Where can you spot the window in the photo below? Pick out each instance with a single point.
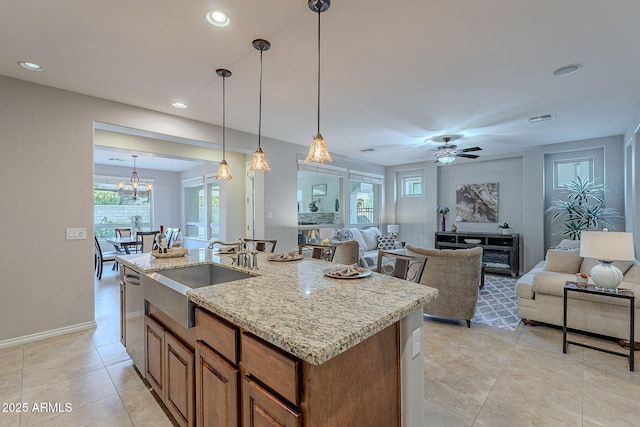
(202, 209)
(412, 186)
(565, 171)
(110, 211)
(364, 198)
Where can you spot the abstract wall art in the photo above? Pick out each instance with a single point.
(477, 202)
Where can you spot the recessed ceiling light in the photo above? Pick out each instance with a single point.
(218, 19)
(179, 105)
(569, 69)
(31, 66)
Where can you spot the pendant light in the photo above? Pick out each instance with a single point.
(318, 149)
(259, 161)
(223, 169)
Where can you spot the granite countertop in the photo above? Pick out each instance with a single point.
(293, 306)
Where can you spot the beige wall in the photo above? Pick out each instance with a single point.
(46, 184)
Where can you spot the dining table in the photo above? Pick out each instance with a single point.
(125, 243)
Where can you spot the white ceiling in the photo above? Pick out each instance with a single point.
(394, 73)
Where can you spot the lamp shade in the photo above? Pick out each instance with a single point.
(607, 245)
(393, 228)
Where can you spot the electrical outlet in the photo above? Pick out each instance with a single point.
(416, 337)
(76, 233)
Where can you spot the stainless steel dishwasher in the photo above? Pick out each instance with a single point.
(134, 317)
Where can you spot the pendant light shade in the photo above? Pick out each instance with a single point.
(223, 169)
(259, 161)
(318, 150)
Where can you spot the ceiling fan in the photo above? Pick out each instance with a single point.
(447, 153)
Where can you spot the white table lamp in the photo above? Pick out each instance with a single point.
(393, 229)
(606, 247)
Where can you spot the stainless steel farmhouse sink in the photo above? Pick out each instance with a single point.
(167, 289)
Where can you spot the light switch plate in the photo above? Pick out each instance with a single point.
(415, 342)
(76, 233)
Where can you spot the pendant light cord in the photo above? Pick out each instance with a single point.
(223, 116)
(260, 103)
(319, 68)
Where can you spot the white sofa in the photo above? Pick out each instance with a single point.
(369, 240)
(540, 294)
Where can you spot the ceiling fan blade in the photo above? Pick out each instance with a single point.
(468, 156)
(464, 150)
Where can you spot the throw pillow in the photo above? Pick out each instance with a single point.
(370, 239)
(386, 243)
(343, 234)
(563, 261)
(357, 236)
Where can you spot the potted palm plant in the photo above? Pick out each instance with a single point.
(584, 208)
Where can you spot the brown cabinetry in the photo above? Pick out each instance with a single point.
(359, 387)
(501, 252)
(217, 393)
(261, 408)
(169, 368)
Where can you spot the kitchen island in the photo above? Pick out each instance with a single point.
(342, 343)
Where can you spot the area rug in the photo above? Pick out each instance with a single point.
(498, 303)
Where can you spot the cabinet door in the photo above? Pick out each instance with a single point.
(261, 409)
(216, 389)
(178, 387)
(123, 316)
(154, 354)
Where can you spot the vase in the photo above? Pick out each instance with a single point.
(337, 205)
(313, 208)
(453, 228)
(444, 223)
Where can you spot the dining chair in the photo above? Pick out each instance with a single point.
(347, 252)
(262, 245)
(147, 240)
(101, 257)
(122, 233)
(324, 252)
(172, 236)
(400, 265)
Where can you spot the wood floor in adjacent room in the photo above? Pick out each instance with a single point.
(481, 376)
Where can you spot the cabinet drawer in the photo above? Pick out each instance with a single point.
(261, 408)
(218, 334)
(276, 369)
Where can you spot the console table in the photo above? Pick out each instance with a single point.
(501, 252)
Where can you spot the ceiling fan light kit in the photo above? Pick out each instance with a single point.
(447, 153)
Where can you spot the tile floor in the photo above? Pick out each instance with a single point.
(481, 377)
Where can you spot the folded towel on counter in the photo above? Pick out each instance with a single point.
(348, 270)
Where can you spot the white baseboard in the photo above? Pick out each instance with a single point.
(47, 334)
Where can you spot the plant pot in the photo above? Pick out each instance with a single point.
(507, 231)
(313, 208)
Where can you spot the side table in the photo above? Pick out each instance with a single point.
(615, 293)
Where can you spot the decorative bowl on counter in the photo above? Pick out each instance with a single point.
(171, 253)
(472, 241)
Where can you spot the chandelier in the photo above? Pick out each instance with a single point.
(134, 193)
(318, 149)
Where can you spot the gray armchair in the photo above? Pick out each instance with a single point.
(456, 275)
